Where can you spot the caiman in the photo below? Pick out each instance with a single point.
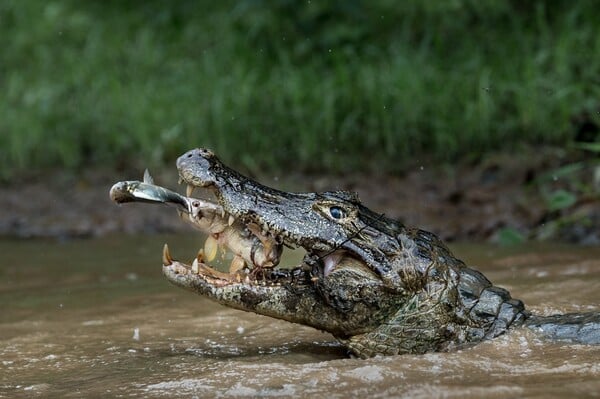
(379, 287)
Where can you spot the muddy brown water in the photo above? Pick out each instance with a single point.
(95, 318)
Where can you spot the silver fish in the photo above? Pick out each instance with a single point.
(146, 191)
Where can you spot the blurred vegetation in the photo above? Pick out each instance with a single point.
(282, 84)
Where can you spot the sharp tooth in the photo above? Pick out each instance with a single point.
(247, 279)
(237, 264)
(166, 256)
(210, 248)
(231, 220)
(195, 265)
(189, 191)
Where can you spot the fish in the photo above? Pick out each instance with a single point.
(147, 191)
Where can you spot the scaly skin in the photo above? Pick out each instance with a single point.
(379, 287)
(388, 289)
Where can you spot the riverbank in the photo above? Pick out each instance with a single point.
(546, 194)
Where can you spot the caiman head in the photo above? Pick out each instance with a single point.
(377, 286)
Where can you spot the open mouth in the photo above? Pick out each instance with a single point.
(238, 249)
(234, 252)
(249, 254)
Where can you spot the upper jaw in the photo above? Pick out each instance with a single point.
(239, 197)
(259, 247)
(262, 210)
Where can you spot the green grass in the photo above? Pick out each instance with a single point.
(274, 85)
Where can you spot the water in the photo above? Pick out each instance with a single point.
(95, 318)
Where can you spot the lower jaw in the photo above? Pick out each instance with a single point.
(257, 276)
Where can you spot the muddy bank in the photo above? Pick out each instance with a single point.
(496, 199)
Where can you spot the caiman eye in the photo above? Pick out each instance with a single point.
(336, 212)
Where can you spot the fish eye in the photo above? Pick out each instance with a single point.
(336, 212)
